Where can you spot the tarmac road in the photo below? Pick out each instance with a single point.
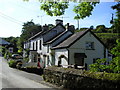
(13, 79)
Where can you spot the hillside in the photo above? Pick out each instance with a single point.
(109, 39)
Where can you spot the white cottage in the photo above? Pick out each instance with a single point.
(60, 46)
(81, 49)
(40, 44)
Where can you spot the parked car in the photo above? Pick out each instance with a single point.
(16, 56)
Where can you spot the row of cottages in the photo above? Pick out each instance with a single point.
(60, 46)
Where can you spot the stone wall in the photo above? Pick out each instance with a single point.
(74, 79)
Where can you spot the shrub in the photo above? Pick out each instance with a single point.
(12, 63)
(7, 55)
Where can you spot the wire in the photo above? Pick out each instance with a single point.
(10, 18)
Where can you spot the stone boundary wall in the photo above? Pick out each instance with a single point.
(73, 79)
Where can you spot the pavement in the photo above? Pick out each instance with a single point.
(19, 80)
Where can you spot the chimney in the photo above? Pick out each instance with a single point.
(67, 27)
(70, 28)
(59, 21)
(45, 27)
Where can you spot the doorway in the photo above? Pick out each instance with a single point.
(79, 58)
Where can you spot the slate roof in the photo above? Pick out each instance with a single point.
(71, 40)
(36, 35)
(57, 37)
(44, 32)
(3, 42)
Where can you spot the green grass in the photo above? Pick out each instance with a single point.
(107, 35)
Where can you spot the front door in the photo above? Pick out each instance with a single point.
(79, 61)
(79, 58)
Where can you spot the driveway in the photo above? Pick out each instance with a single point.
(17, 80)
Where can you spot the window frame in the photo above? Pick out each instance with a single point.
(89, 45)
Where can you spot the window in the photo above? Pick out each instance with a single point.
(29, 44)
(36, 45)
(40, 46)
(90, 45)
(33, 46)
(47, 48)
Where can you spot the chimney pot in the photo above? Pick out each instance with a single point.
(59, 21)
(67, 27)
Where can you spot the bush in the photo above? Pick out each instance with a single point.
(114, 64)
(12, 63)
(7, 55)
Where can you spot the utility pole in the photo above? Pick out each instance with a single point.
(78, 23)
(41, 18)
(111, 22)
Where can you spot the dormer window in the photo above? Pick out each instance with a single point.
(89, 45)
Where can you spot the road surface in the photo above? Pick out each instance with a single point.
(13, 79)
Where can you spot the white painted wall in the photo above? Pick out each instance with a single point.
(58, 53)
(80, 47)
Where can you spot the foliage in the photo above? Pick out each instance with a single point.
(98, 66)
(116, 25)
(12, 63)
(13, 41)
(114, 64)
(116, 21)
(109, 39)
(100, 29)
(116, 61)
(84, 9)
(54, 8)
(7, 54)
(2, 50)
(57, 8)
(29, 29)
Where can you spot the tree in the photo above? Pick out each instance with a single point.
(116, 60)
(84, 9)
(13, 41)
(100, 29)
(29, 29)
(57, 8)
(54, 8)
(116, 21)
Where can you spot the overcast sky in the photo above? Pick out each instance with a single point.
(13, 13)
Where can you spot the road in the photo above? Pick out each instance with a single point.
(19, 80)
